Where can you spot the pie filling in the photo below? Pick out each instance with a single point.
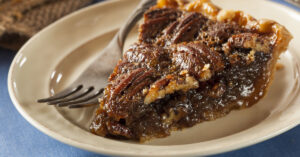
(193, 62)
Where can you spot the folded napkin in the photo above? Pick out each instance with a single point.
(21, 19)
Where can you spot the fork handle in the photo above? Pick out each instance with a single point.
(133, 18)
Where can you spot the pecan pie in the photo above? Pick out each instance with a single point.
(193, 62)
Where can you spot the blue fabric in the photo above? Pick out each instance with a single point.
(19, 139)
(287, 4)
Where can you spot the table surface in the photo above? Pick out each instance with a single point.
(18, 138)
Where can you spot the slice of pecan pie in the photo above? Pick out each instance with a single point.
(193, 62)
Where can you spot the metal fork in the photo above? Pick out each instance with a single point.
(88, 87)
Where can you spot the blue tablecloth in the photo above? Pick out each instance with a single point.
(19, 139)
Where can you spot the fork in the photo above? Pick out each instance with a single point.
(87, 88)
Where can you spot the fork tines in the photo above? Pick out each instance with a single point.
(77, 97)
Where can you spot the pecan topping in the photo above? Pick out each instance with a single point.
(198, 60)
(253, 41)
(124, 83)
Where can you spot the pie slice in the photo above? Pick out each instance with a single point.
(193, 62)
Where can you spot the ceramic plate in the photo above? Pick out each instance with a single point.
(58, 54)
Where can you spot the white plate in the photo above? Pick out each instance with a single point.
(56, 55)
